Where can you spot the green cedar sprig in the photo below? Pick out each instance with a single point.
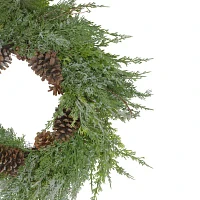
(9, 138)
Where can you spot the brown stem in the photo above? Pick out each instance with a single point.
(121, 100)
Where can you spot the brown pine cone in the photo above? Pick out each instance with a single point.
(63, 126)
(11, 159)
(43, 139)
(48, 67)
(5, 57)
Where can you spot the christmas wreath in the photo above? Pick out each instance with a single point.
(67, 50)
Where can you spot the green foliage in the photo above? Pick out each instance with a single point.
(32, 5)
(95, 88)
(9, 138)
(58, 172)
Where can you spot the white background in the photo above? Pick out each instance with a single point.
(167, 137)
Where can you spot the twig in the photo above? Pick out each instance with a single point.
(121, 100)
(78, 9)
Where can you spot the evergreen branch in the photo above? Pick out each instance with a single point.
(76, 9)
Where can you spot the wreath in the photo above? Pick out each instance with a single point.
(67, 50)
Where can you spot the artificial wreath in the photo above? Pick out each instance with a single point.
(67, 50)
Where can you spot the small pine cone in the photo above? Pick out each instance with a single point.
(43, 139)
(63, 126)
(48, 67)
(5, 56)
(11, 159)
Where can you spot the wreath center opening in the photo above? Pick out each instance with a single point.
(25, 103)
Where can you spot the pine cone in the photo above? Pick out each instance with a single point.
(63, 126)
(11, 159)
(48, 67)
(43, 139)
(5, 57)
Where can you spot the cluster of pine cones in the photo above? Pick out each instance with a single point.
(48, 67)
(63, 130)
(12, 158)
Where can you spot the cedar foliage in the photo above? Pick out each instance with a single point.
(94, 88)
